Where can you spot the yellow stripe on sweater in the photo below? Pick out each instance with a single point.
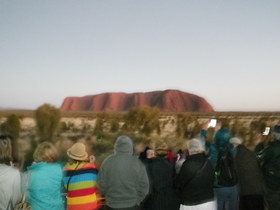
(82, 200)
(81, 185)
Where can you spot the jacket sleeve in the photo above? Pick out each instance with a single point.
(101, 180)
(184, 176)
(143, 187)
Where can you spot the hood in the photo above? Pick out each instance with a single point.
(124, 144)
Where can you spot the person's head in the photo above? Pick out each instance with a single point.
(124, 144)
(77, 152)
(161, 148)
(5, 150)
(222, 137)
(196, 146)
(276, 132)
(45, 152)
(235, 141)
(150, 153)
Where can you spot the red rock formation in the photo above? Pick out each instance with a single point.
(168, 100)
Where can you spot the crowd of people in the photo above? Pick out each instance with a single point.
(222, 175)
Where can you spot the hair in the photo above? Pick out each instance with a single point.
(196, 146)
(5, 150)
(46, 152)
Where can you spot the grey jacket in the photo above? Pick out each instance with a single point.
(9, 186)
(122, 177)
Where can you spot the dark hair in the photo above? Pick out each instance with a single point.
(5, 149)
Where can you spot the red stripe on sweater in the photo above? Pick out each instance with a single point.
(86, 166)
(82, 192)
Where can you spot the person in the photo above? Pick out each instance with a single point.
(10, 183)
(223, 153)
(143, 155)
(150, 154)
(251, 185)
(194, 183)
(223, 135)
(15, 154)
(181, 157)
(80, 174)
(123, 178)
(161, 175)
(262, 143)
(170, 156)
(43, 179)
(271, 170)
(226, 188)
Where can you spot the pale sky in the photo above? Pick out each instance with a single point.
(225, 51)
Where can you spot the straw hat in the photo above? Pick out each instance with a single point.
(78, 152)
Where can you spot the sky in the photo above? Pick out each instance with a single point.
(227, 52)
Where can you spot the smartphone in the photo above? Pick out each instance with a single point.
(266, 131)
(212, 123)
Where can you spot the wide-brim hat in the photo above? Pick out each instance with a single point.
(78, 152)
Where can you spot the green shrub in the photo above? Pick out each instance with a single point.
(47, 121)
(143, 119)
(102, 149)
(11, 126)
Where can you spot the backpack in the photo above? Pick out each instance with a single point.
(225, 173)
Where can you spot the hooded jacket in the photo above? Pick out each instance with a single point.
(9, 186)
(122, 177)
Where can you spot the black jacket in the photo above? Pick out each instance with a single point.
(271, 165)
(195, 188)
(248, 172)
(162, 195)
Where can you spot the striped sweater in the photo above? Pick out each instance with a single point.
(80, 184)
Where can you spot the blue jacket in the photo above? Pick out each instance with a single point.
(44, 187)
(222, 137)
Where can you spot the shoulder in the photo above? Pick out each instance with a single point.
(9, 170)
(45, 170)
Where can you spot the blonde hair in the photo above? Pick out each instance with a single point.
(46, 152)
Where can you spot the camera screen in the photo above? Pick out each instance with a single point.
(212, 123)
(266, 131)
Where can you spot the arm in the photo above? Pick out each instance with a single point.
(143, 183)
(101, 180)
(184, 176)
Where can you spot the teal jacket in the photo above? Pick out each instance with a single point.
(44, 186)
